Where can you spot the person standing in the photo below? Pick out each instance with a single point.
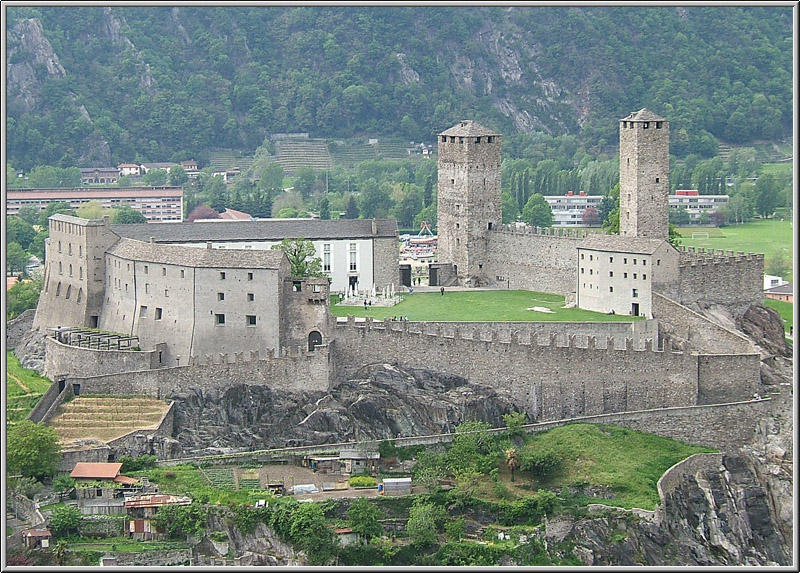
(442, 291)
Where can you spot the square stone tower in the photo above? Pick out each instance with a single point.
(644, 176)
(468, 197)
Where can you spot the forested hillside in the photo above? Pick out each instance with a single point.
(104, 85)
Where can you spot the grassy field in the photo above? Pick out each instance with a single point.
(765, 236)
(24, 388)
(189, 480)
(627, 462)
(480, 306)
(786, 310)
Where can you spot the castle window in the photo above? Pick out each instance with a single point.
(166, 292)
(222, 275)
(461, 140)
(644, 277)
(147, 287)
(326, 257)
(444, 139)
(60, 268)
(159, 313)
(126, 287)
(658, 124)
(490, 139)
(251, 320)
(80, 250)
(452, 139)
(591, 271)
(625, 261)
(316, 288)
(353, 260)
(220, 296)
(610, 259)
(635, 293)
(646, 125)
(634, 261)
(146, 269)
(297, 286)
(249, 276)
(610, 289)
(490, 225)
(219, 319)
(477, 140)
(69, 291)
(69, 248)
(80, 294)
(644, 262)
(610, 273)
(624, 275)
(80, 272)
(183, 273)
(581, 270)
(59, 246)
(458, 225)
(58, 290)
(143, 311)
(581, 256)
(452, 182)
(458, 242)
(251, 297)
(590, 257)
(163, 271)
(634, 275)
(657, 179)
(658, 262)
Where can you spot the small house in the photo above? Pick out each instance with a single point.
(36, 538)
(355, 462)
(346, 536)
(395, 486)
(784, 292)
(141, 510)
(100, 489)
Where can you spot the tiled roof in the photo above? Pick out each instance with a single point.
(196, 256)
(618, 244)
(643, 114)
(261, 230)
(786, 288)
(126, 480)
(36, 533)
(468, 128)
(156, 500)
(11, 281)
(96, 470)
(232, 214)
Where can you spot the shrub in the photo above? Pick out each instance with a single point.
(363, 481)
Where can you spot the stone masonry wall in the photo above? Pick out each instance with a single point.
(65, 360)
(18, 327)
(676, 320)
(300, 371)
(735, 281)
(719, 384)
(532, 261)
(386, 271)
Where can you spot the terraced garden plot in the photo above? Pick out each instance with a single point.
(24, 388)
(249, 483)
(220, 478)
(106, 418)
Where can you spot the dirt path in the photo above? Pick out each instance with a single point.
(18, 381)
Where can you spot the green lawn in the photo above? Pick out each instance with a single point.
(480, 306)
(786, 310)
(188, 480)
(628, 462)
(24, 388)
(765, 236)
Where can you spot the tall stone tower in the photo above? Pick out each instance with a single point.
(468, 197)
(644, 176)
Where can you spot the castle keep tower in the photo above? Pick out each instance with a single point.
(644, 176)
(469, 197)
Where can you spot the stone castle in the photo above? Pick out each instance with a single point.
(213, 318)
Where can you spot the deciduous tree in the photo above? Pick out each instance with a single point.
(301, 254)
(32, 449)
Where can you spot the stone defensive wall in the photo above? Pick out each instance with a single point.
(722, 277)
(66, 360)
(533, 258)
(673, 477)
(295, 371)
(18, 327)
(638, 330)
(675, 320)
(546, 380)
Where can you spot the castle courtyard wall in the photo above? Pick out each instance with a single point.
(732, 280)
(65, 360)
(532, 259)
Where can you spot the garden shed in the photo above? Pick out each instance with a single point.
(396, 486)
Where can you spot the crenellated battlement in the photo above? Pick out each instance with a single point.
(542, 231)
(699, 256)
(295, 352)
(511, 337)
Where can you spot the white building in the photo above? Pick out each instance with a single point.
(696, 204)
(568, 209)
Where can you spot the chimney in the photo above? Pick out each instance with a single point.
(208, 244)
(106, 220)
(374, 227)
(152, 239)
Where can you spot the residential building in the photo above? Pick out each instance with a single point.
(568, 209)
(100, 488)
(166, 166)
(155, 203)
(773, 281)
(142, 509)
(99, 175)
(130, 169)
(784, 292)
(696, 204)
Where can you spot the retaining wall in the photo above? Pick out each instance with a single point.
(66, 360)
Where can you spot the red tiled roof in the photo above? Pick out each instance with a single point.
(96, 470)
(36, 533)
(235, 215)
(343, 530)
(126, 480)
(11, 281)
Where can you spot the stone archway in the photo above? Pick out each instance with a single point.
(314, 340)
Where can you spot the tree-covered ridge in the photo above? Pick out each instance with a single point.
(170, 83)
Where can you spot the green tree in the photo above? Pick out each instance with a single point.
(22, 296)
(52, 209)
(767, 193)
(155, 177)
(422, 524)
(16, 258)
(63, 484)
(65, 520)
(126, 215)
(351, 211)
(510, 211)
(324, 209)
(93, 210)
(177, 176)
(32, 449)
(310, 533)
(537, 212)
(514, 422)
(29, 214)
(46, 176)
(777, 264)
(375, 200)
(304, 181)
(301, 254)
(19, 231)
(364, 518)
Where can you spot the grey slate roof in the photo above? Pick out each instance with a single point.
(76, 220)
(469, 128)
(197, 256)
(618, 244)
(643, 114)
(261, 230)
(781, 289)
